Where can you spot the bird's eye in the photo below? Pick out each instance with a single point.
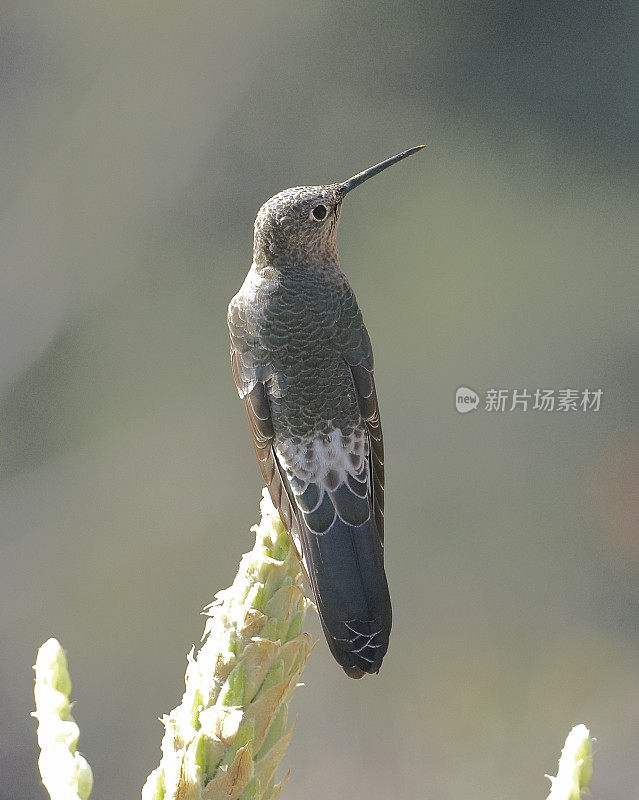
(319, 212)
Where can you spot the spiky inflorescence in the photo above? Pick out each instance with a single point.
(228, 735)
(575, 766)
(65, 773)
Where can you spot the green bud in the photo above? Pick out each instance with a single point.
(252, 791)
(233, 693)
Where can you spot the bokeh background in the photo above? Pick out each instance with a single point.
(137, 142)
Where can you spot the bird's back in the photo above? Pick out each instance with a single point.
(303, 362)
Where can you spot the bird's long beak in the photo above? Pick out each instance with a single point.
(356, 180)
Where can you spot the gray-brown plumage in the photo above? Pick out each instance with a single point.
(302, 361)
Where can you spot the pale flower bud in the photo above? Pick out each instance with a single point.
(65, 773)
(575, 766)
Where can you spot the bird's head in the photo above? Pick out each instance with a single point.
(299, 225)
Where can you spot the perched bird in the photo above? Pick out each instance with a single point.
(303, 364)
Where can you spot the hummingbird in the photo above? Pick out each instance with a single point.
(303, 364)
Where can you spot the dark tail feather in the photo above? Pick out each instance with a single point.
(346, 570)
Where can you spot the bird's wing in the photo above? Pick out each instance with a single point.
(338, 540)
(251, 367)
(342, 514)
(356, 347)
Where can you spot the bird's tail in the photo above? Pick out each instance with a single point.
(345, 566)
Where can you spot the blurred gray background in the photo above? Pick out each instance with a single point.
(137, 142)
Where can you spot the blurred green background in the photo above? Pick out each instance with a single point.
(137, 142)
